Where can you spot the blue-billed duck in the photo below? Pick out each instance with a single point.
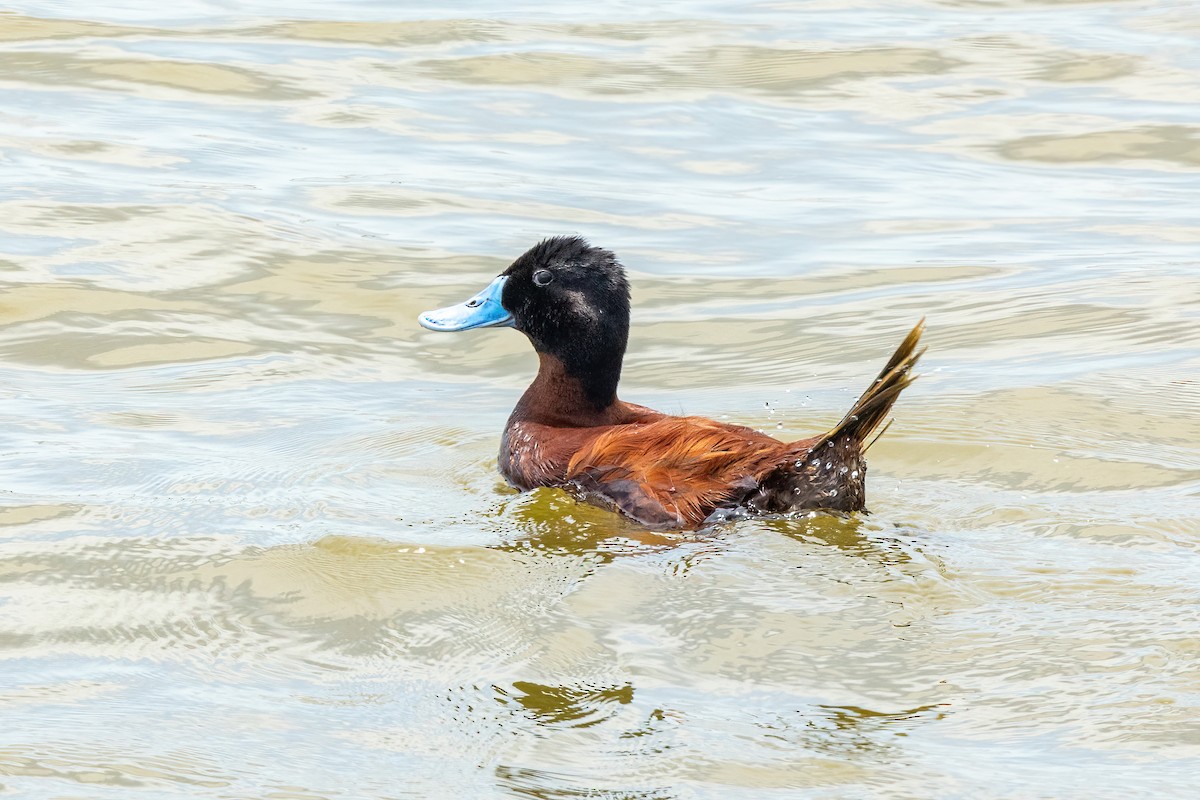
(570, 430)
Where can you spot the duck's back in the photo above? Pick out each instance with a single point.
(660, 470)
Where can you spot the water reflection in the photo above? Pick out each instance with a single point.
(575, 707)
(240, 484)
(850, 730)
(553, 521)
(1179, 144)
(550, 785)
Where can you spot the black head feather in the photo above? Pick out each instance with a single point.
(572, 301)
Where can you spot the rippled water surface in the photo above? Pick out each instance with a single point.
(252, 540)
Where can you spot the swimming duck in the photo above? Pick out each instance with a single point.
(570, 430)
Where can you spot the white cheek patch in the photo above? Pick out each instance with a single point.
(581, 306)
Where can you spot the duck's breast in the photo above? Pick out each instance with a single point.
(534, 454)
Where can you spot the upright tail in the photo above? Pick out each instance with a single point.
(829, 471)
(870, 410)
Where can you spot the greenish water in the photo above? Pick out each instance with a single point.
(252, 540)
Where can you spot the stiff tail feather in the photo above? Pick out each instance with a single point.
(830, 472)
(870, 410)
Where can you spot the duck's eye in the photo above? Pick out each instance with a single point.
(542, 277)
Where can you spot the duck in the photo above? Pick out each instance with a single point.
(665, 472)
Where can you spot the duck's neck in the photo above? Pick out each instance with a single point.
(562, 396)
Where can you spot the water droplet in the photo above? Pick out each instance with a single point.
(854, 474)
(843, 470)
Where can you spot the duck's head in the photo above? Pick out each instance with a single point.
(569, 298)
